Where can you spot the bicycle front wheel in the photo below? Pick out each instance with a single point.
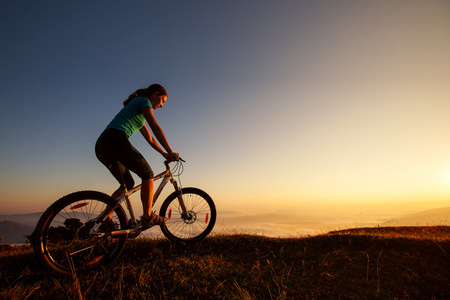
(62, 238)
(199, 221)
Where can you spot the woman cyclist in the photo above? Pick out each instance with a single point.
(115, 151)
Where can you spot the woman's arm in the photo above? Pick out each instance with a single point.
(157, 131)
(148, 137)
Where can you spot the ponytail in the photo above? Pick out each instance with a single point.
(147, 92)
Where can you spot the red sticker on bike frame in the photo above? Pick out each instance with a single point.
(95, 260)
(79, 205)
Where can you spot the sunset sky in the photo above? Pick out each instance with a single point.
(274, 105)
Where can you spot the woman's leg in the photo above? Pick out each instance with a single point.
(147, 196)
(118, 193)
(115, 151)
(149, 218)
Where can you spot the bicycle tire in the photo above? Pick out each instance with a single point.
(61, 239)
(201, 220)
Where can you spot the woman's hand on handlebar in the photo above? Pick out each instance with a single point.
(171, 156)
(174, 156)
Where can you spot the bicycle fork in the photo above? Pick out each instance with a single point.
(170, 178)
(180, 199)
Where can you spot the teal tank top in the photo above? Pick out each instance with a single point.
(130, 118)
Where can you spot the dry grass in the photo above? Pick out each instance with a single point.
(364, 263)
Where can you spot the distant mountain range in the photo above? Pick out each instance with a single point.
(27, 219)
(13, 232)
(14, 227)
(295, 223)
(432, 217)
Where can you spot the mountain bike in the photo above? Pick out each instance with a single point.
(88, 229)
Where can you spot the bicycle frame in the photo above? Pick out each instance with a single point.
(166, 176)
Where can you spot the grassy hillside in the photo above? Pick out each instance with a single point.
(367, 263)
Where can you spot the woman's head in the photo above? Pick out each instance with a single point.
(156, 88)
(154, 91)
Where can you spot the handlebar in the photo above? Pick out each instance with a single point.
(167, 162)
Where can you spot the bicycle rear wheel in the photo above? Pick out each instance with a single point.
(197, 224)
(62, 239)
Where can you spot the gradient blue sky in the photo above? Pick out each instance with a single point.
(275, 105)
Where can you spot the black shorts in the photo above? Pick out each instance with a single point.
(115, 151)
